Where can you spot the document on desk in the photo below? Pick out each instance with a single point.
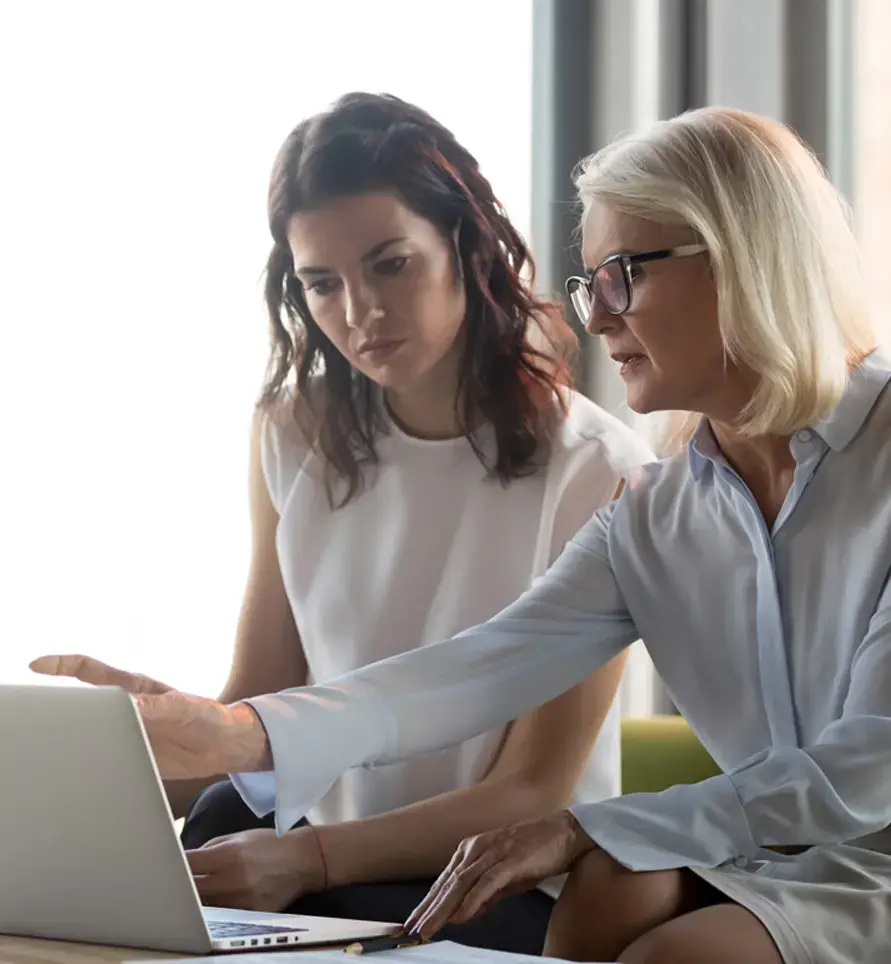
(439, 952)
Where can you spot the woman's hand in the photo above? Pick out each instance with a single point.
(498, 864)
(96, 673)
(191, 737)
(257, 869)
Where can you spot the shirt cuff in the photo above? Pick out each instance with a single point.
(257, 790)
(315, 734)
(689, 825)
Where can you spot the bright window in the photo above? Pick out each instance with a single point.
(138, 140)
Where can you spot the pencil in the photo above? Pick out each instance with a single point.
(390, 943)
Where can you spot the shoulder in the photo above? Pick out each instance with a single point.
(592, 453)
(278, 424)
(649, 500)
(589, 435)
(284, 430)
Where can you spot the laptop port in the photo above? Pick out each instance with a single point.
(254, 942)
(282, 940)
(267, 940)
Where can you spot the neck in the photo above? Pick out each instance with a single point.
(765, 464)
(428, 410)
(766, 456)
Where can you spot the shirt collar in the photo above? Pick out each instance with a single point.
(864, 387)
(837, 430)
(702, 448)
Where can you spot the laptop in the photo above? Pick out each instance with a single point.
(88, 847)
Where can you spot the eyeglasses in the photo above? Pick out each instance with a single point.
(610, 284)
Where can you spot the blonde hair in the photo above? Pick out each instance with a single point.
(791, 304)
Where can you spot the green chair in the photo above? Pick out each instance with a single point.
(660, 751)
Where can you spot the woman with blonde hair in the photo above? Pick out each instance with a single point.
(723, 279)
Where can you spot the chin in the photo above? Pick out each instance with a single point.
(391, 377)
(646, 399)
(642, 403)
(383, 378)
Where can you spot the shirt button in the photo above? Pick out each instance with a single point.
(741, 862)
(805, 435)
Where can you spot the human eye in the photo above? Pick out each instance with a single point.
(322, 287)
(636, 270)
(391, 266)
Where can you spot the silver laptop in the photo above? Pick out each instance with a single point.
(88, 848)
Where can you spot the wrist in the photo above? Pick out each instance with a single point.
(578, 842)
(247, 747)
(342, 861)
(317, 878)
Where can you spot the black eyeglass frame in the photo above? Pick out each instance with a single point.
(625, 261)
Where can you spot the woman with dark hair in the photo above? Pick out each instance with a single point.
(419, 459)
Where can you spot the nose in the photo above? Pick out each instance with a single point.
(601, 322)
(361, 305)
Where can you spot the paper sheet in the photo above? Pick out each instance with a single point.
(439, 952)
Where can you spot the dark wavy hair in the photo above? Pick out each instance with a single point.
(378, 143)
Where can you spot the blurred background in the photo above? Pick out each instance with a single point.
(136, 145)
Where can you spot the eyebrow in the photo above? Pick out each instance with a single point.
(369, 255)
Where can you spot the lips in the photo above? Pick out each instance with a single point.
(628, 361)
(380, 346)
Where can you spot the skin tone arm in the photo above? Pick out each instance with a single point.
(268, 652)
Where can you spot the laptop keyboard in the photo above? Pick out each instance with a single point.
(222, 929)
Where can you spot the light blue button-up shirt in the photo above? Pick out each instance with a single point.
(774, 644)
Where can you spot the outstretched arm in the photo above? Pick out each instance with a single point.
(570, 623)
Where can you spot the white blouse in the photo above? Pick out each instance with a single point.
(430, 547)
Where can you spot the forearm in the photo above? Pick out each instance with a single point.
(418, 841)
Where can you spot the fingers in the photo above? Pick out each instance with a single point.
(96, 673)
(218, 872)
(212, 858)
(212, 888)
(438, 886)
(465, 884)
(76, 666)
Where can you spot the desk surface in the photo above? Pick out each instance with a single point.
(24, 950)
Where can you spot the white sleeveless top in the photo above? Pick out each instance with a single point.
(428, 548)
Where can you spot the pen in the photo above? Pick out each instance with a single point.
(391, 943)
